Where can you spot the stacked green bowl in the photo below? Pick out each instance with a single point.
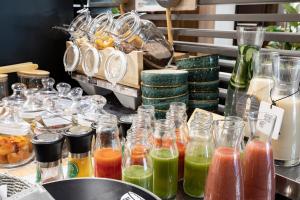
(162, 87)
(203, 81)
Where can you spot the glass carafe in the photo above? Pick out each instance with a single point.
(132, 33)
(250, 40)
(259, 175)
(198, 155)
(177, 114)
(137, 165)
(225, 179)
(164, 156)
(108, 153)
(287, 77)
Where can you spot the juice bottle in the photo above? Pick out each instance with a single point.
(259, 176)
(79, 141)
(198, 156)
(177, 114)
(165, 160)
(108, 153)
(137, 165)
(225, 180)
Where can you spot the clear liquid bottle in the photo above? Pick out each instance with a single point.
(250, 40)
(259, 171)
(198, 155)
(225, 179)
(177, 114)
(137, 165)
(164, 154)
(108, 153)
(287, 77)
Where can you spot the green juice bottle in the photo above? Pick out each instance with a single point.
(164, 155)
(198, 157)
(136, 174)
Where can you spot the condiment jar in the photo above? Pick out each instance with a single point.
(79, 141)
(177, 114)
(15, 146)
(64, 101)
(132, 33)
(32, 78)
(48, 150)
(3, 86)
(17, 98)
(137, 165)
(108, 153)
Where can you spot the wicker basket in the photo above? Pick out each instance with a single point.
(14, 185)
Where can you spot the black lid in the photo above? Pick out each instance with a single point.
(79, 139)
(48, 147)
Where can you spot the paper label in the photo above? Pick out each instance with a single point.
(57, 121)
(264, 109)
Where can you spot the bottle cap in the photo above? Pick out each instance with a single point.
(48, 147)
(79, 139)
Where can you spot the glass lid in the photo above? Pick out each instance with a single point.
(48, 87)
(71, 57)
(17, 98)
(91, 61)
(33, 106)
(115, 66)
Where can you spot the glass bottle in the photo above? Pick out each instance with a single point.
(177, 114)
(148, 110)
(259, 175)
(108, 153)
(132, 33)
(15, 135)
(250, 40)
(79, 142)
(225, 179)
(137, 166)
(198, 156)
(287, 77)
(201, 117)
(48, 150)
(164, 156)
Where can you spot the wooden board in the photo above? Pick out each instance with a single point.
(18, 67)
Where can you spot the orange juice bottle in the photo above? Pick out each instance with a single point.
(108, 153)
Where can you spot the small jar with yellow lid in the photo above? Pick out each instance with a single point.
(33, 78)
(3, 86)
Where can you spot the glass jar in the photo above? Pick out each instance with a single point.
(286, 71)
(79, 142)
(198, 156)
(108, 153)
(225, 171)
(17, 98)
(48, 90)
(75, 94)
(137, 166)
(3, 86)
(250, 40)
(63, 100)
(33, 78)
(177, 114)
(48, 150)
(164, 154)
(32, 107)
(15, 146)
(132, 33)
(259, 171)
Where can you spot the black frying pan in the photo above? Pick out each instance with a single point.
(97, 189)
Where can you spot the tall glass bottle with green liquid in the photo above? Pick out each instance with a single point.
(250, 40)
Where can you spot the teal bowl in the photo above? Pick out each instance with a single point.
(214, 95)
(160, 92)
(204, 74)
(164, 77)
(206, 61)
(203, 86)
(154, 101)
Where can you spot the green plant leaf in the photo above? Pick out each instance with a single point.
(290, 9)
(274, 29)
(115, 11)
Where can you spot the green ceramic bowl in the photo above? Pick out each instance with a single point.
(154, 101)
(164, 77)
(206, 61)
(204, 74)
(203, 86)
(160, 92)
(204, 95)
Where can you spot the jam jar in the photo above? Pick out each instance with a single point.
(33, 78)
